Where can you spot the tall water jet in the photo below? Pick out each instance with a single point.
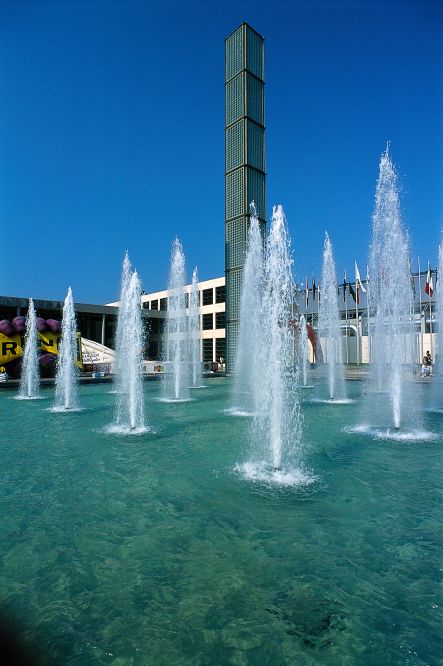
(129, 413)
(120, 333)
(194, 330)
(66, 393)
(176, 382)
(30, 375)
(303, 350)
(277, 427)
(329, 324)
(248, 358)
(390, 297)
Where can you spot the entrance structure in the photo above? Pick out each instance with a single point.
(245, 162)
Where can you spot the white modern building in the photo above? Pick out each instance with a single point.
(212, 318)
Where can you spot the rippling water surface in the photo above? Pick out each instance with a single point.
(155, 549)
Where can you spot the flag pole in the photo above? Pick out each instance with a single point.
(346, 319)
(367, 307)
(356, 321)
(421, 313)
(411, 308)
(430, 313)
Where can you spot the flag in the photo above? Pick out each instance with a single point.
(352, 292)
(344, 287)
(429, 286)
(307, 292)
(314, 288)
(358, 282)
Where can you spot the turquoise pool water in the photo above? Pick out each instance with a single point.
(155, 550)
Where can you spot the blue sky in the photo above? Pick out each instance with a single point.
(112, 133)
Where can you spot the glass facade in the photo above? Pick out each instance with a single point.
(245, 162)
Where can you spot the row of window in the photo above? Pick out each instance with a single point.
(208, 321)
(206, 297)
(208, 349)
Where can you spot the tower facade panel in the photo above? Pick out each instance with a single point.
(245, 162)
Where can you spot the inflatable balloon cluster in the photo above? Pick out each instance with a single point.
(12, 339)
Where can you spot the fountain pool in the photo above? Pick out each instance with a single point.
(154, 550)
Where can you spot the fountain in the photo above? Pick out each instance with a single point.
(129, 413)
(194, 331)
(276, 428)
(66, 397)
(176, 382)
(303, 350)
(329, 325)
(390, 297)
(248, 358)
(30, 374)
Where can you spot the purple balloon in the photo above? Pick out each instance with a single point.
(47, 359)
(53, 325)
(41, 324)
(19, 324)
(6, 328)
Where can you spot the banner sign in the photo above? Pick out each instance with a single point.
(12, 347)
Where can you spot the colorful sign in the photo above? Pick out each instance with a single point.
(12, 347)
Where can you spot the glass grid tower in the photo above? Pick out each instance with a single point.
(245, 162)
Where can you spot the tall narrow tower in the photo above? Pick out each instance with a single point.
(245, 162)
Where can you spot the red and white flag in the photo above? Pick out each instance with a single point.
(429, 286)
(358, 283)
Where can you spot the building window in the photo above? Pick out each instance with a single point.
(208, 322)
(234, 287)
(255, 99)
(235, 191)
(208, 346)
(235, 146)
(154, 305)
(235, 242)
(256, 146)
(256, 191)
(146, 305)
(234, 53)
(235, 99)
(220, 348)
(208, 296)
(254, 48)
(163, 304)
(186, 300)
(220, 320)
(220, 294)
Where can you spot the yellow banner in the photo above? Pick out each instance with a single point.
(12, 347)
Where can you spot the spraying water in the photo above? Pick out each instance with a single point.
(248, 357)
(390, 297)
(277, 427)
(129, 414)
(66, 397)
(329, 324)
(194, 330)
(30, 376)
(120, 334)
(303, 350)
(176, 383)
